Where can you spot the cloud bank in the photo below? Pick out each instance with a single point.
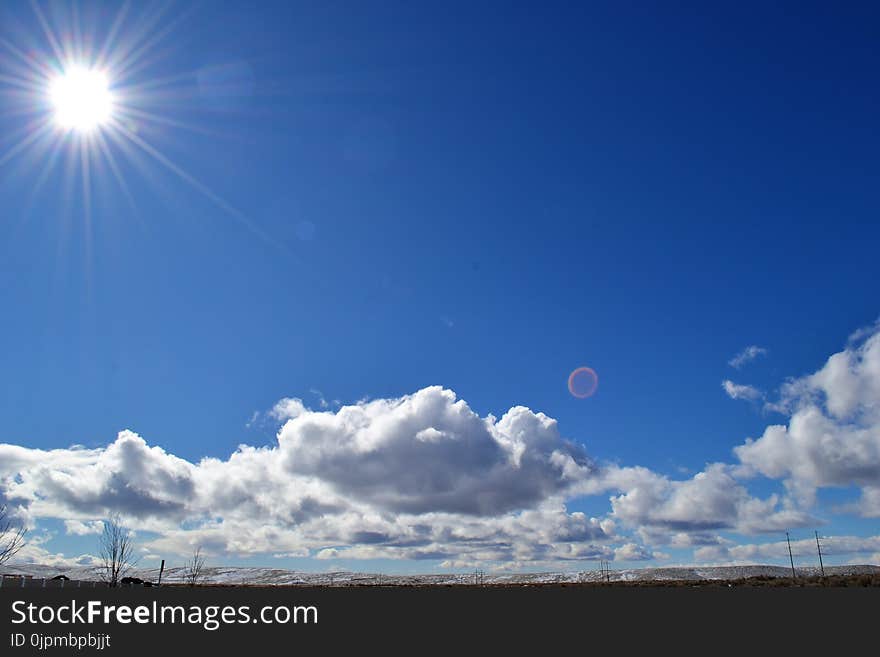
(424, 477)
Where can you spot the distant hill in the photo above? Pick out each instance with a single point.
(281, 577)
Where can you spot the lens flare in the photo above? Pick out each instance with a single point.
(582, 383)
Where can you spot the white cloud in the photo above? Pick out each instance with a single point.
(35, 553)
(417, 477)
(712, 500)
(802, 549)
(860, 334)
(737, 391)
(287, 409)
(633, 552)
(423, 476)
(746, 356)
(431, 452)
(80, 528)
(127, 475)
(833, 435)
(322, 402)
(685, 540)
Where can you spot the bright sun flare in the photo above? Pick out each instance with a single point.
(84, 105)
(81, 98)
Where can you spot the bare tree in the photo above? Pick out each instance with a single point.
(116, 550)
(11, 536)
(194, 571)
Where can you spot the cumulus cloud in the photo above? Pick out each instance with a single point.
(36, 554)
(832, 438)
(712, 500)
(417, 477)
(431, 452)
(746, 356)
(633, 552)
(738, 391)
(287, 409)
(425, 477)
(128, 475)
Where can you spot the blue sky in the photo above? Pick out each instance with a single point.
(368, 199)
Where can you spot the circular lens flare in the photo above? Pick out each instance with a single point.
(81, 98)
(582, 383)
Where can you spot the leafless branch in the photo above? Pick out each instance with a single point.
(11, 536)
(193, 573)
(116, 551)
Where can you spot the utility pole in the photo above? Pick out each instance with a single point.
(819, 549)
(790, 558)
(161, 570)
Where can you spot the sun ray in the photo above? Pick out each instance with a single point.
(36, 150)
(26, 141)
(86, 226)
(45, 152)
(18, 111)
(102, 59)
(138, 61)
(47, 31)
(196, 184)
(28, 64)
(78, 42)
(126, 50)
(54, 148)
(132, 113)
(117, 173)
(145, 86)
(21, 84)
(85, 176)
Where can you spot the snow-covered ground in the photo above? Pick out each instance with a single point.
(279, 577)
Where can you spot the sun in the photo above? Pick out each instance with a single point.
(85, 95)
(81, 99)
